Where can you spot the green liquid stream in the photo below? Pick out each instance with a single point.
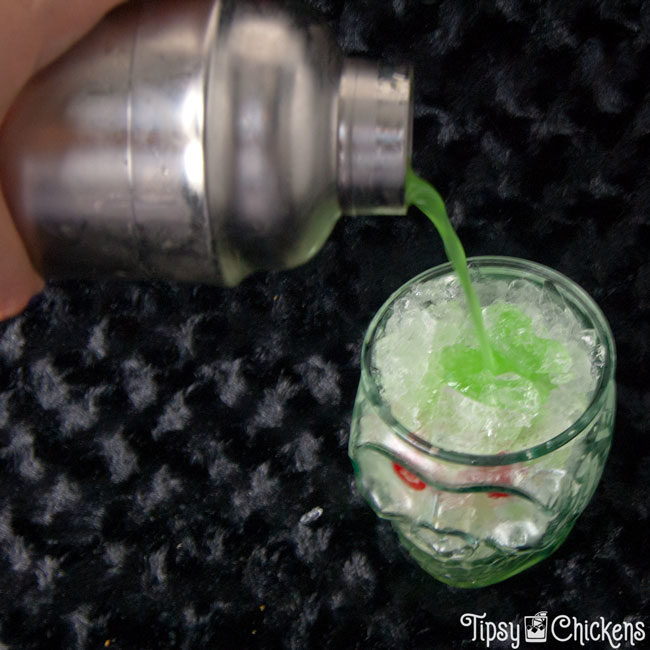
(513, 366)
(422, 195)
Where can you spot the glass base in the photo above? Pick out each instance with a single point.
(471, 575)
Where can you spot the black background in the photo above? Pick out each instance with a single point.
(159, 443)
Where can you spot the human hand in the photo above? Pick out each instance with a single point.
(32, 34)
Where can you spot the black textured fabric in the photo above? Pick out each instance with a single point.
(161, 445)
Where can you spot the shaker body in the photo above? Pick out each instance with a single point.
(200, 141)
(102, 154)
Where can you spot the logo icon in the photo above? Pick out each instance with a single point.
(536, 627)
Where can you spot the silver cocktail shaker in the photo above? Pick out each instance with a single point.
(200, 141)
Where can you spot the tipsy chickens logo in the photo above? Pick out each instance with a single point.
(539, 628)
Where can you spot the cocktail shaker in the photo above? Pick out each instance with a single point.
(200, 141)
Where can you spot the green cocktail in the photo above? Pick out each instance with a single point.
(483, 443)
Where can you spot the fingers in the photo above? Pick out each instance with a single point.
(18, 279)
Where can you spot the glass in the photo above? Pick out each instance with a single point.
(473, 520)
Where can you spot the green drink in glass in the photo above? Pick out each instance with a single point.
(483, 460)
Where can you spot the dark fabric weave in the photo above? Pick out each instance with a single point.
(161, 445)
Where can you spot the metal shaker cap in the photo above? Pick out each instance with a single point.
(374, 137)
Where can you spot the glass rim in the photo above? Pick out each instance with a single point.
(580, 298)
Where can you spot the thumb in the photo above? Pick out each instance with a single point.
(18, 279)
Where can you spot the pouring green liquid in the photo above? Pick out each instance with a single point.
(511, 359)
(425, 197)
(473, 380)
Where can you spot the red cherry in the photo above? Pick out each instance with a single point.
(409, 478)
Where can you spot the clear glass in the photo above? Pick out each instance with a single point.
(473, 520)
